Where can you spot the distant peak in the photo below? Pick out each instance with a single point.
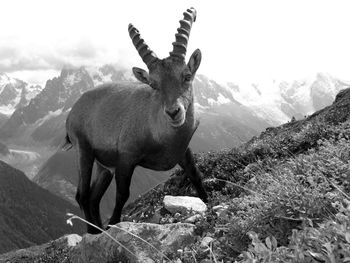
(3, 76)
(69, 70)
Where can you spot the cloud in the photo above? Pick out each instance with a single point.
(18, 55)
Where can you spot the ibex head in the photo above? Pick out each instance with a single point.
(171, 77)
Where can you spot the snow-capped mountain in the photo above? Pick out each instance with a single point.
(15, 93)
(278, 101)
(109, 73)
(224, 122)
(43, 117)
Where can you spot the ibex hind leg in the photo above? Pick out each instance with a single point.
(123, 174)
(85, 159)
(98, 189)
(192, 171)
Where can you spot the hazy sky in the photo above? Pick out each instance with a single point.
(240, 40)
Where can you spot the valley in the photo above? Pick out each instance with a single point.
(26, 159)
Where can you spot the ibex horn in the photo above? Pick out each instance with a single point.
(147, 55)
(183, 34)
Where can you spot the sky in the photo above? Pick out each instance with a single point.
(248, 40)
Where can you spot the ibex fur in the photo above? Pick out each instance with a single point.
(123, 125)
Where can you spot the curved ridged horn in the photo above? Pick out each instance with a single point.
(147, 55)
(183, 34)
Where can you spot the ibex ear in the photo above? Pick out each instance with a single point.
(195, 61)
(141, 75)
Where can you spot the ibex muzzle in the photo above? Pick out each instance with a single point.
(123, 125)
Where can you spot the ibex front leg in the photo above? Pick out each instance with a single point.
(192, 171)
(123, 174)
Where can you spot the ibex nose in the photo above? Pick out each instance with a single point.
(173, 112)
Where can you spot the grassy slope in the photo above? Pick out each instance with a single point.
(288, 177)
(29, 214)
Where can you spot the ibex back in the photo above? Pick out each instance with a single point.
(150, 124)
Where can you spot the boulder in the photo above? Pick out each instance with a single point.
(184, 204)
(165, 238)
(53, 251)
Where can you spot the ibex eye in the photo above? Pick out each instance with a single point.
(187, 77)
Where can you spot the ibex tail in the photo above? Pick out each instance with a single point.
(67, 145)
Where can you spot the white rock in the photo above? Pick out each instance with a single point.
(183, 204)
(73, 240)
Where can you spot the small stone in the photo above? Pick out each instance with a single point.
(177, 215)
(220, 210)
(73, 240)
(206, 242)
(184, 204)
(163, 220)
(217, 207)
(193, 219)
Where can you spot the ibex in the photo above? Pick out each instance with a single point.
(150, 124)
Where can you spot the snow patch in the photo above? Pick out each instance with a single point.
(71, 79)
(32, 91)
(7, 110)
(222, 99)
(200, 108)
(48, 116)
(211, 101)
(24, 155)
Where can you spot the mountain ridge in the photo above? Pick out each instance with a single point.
(29, 214)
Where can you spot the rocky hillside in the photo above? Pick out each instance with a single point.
(282, 197)
(29, 214)
(294, 176)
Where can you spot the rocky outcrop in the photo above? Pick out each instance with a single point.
(54, 251)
